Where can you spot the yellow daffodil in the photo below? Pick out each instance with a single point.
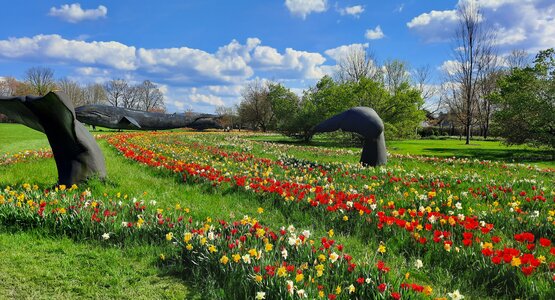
(224, 260)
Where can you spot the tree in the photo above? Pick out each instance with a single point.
(131, 97)
(40, 80)
(518, 58)
(116, 89)
(8, 86)
(400, 112)
(94, 94)
(255, 107)
(285, 105)
(485, 108)
(357, 64)
(421, 79)
(395, 73)
(474, 53)
(227, 116)
(73, 91)
(149, 96)
(526, 100)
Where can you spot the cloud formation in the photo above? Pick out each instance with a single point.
(518, 24)
(231, 63)
(216, 78)
(354, 11)
(374, 34)
(340, 52)
(73, 13)
(303, 8)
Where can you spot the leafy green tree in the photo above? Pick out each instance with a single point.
(255, 108)
(285, 105)
(400, 111)
(526, 100)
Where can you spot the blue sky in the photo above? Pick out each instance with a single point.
(201, 52)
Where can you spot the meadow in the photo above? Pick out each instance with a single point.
(241, 215)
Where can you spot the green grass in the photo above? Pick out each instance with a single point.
(481, 150)
(39, 267)
(16, 137)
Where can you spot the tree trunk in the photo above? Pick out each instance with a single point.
(467, 127)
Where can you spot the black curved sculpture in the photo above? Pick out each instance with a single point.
(366, 122)
(75, 150)
(123, 118)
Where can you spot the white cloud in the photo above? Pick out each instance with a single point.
(225, 90)
(526, 24)
(450, 67)
(374, 34)
(207, 99)
(303, 8)
(305, 64)
(73, 13)
(90, 71)
(219, 76)
(354, 11)
(112, 54)
(340, 52)
(510, 36)
(435, 26)
(424, 19)
(267, 56)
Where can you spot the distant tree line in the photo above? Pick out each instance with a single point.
(116, 92)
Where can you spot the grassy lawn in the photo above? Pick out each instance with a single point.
(36, 265)
(481, 150)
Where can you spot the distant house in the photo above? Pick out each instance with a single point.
(438, 124)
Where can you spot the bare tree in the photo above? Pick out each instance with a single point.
(227, 115)
(474, 53)
(8, 86)
(73, 91)
(94, 94)
(518, 58)
(149, 96)
(131, 97)
(485, 107)
(40, 79)
(358, 63)
(255, 107)
(422, 79)
(115, 91)
(395, 73)
(451, 99)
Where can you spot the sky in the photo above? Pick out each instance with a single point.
(201, 53)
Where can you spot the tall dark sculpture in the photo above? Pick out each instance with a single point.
(366, 122)
(123, 118)
(75, 150)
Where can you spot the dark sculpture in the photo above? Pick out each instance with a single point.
(75, 150)
(123, 118)
(366, 122)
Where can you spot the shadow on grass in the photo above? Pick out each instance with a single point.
(471, 151)
(509, 155)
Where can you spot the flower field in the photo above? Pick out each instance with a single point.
(419, 227)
